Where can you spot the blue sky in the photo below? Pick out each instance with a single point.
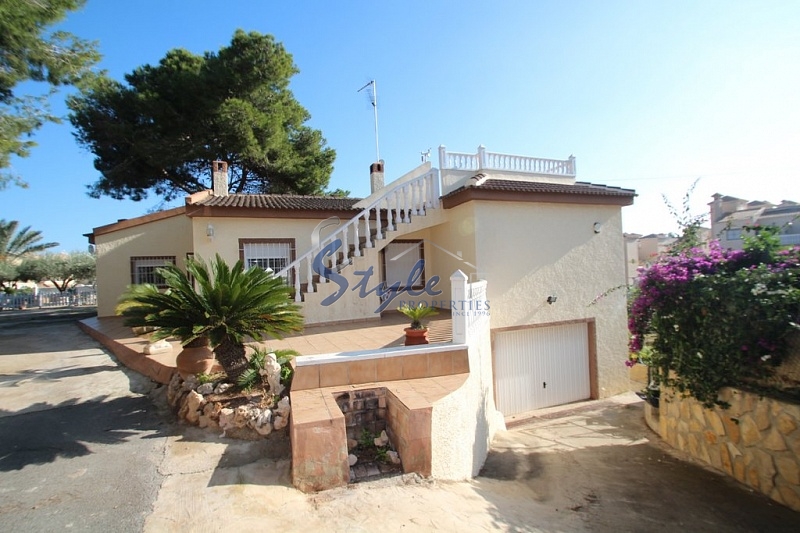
(647, 95)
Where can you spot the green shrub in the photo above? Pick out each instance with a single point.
(252, 377)
(709, 320)
(417, 313)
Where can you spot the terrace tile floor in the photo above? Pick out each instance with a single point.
(363, 335)
(314, 340)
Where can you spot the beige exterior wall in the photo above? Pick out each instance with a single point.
(167, 237)
(456, 236)
(529, 251)
(350, 305)
(464, 423)
(228, 231)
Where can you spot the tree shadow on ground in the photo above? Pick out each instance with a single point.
(56, 374)
(70, 429)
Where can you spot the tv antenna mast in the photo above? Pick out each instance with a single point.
(372, 91)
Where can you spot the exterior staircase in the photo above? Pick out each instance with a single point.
(350, 286)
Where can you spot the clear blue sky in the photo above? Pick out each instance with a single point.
(647, 95)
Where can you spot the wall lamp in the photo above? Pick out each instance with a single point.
(210, 231)
(552, 299)
(597, 227)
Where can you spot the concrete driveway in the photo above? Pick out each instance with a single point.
(592, 468)
(83, 447)
(80, 440)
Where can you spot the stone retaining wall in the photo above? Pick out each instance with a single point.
(756, 440)
(363, 410)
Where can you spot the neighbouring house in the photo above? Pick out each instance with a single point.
(642, 251)
(546, 244)
(730, 216)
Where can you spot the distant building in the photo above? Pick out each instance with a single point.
(643, 251)
(730, 215)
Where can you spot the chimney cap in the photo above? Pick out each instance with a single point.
(376, 167)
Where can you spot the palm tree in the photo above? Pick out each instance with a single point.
(25, 242)
(230, 304)
(13, 248)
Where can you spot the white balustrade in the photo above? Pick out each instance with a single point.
(356, 240)
(367, 231)
(310, 277)
(418, 194)
(406, 206)
(345, 246)
(379, 224)
(396, 219)
(484, 160)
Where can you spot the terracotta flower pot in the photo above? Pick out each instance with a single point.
(416, 336)
(195, 358)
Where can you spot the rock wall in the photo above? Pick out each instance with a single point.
(756, 440)
(238, 416)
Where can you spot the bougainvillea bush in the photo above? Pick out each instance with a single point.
(706, 320)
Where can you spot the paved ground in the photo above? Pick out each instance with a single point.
(595, 468)
(80, 440)
(82, 447)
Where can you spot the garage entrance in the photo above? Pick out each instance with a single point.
(542, 366)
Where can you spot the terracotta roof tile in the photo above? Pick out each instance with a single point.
(280, 201)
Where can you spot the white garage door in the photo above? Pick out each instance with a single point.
(541, 367)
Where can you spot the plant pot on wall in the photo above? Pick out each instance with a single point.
(417, 333)
(416, 336)
(195, 358)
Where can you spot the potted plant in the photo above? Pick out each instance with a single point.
(230, 304)
(417, 333)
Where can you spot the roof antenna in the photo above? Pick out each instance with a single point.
(372, 90)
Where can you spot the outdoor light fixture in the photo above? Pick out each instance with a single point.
(210, 231)
(597, 227)
(552, 299)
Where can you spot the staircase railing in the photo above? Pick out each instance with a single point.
(401, 202)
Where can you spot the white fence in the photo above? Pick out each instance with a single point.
(77, 298)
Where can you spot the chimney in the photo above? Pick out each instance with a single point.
(376, 176)
(716, 208)
(219, 177)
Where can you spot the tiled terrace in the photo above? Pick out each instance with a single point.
(333, 338)
(363, 335)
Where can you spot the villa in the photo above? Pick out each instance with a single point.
(546, 244)
(521, 255)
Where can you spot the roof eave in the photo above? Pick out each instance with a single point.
(133, 222)
(467, 194)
